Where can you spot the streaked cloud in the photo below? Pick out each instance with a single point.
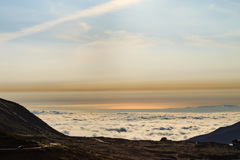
(122, 38)
(110, 6)
(224, 41)
(234, 33)
(212, 6)
(85, 26)
(73, 32)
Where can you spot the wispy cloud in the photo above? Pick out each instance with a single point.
(100, 9)
(226, 40)
(235, 33)
(73, 32)
(211, 6)
(123, 39)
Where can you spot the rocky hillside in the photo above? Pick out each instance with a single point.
(16, 119)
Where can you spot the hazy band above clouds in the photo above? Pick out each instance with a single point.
(118, 86)
(125, 99)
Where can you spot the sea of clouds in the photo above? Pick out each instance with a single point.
(137, 125)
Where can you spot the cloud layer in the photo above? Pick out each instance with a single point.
(137, 125)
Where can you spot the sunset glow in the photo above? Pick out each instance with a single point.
(80, 53)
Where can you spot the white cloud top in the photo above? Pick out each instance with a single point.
(137, 125)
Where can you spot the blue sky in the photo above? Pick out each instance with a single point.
(118, 41)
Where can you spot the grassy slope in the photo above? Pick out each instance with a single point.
(50, 153)
(74, 148)
(8, 140)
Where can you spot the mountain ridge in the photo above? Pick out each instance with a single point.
(223, 135)
(17, 119)
(206, 109)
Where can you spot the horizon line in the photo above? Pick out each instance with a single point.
(118, 86)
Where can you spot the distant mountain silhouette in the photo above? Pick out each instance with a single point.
(223, 135)
(199, 109)
(205, 109)
(16, 119)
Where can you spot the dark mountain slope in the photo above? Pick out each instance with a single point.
(223, 135)
(16, 119)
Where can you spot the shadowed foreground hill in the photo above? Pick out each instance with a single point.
(223, 135)
(16, 119)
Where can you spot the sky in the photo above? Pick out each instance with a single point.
(120, 45)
